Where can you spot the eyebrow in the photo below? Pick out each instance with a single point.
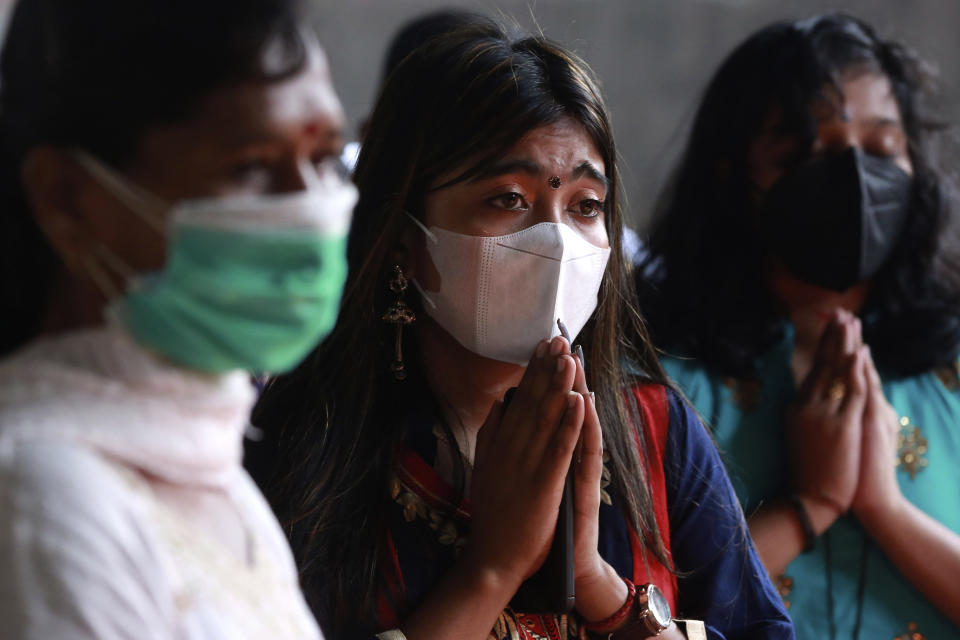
(528, 167)
(587, 169)
(885, 121)
(533, 169)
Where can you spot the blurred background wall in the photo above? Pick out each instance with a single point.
(653, 57)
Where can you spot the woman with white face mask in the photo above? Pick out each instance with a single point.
(417, 497)
(172, 223)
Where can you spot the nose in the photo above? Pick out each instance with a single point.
(321, 141)
(548, 209)
(297, 175)
(836, 135)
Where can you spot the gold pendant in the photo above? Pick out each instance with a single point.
(784, 584)
(911, 448)
(911, 633)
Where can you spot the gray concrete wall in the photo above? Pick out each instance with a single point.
(653, 57)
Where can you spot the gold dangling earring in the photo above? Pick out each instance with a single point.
(399, 314)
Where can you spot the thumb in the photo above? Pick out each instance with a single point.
(858, 385)
(876, 385)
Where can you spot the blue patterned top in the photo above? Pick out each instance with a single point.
(747, 421)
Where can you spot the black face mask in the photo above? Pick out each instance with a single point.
(835, 220)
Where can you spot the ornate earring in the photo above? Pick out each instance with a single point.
(399, 314)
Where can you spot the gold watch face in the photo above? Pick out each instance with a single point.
(658, 606)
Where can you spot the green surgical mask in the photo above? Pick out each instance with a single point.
(250, 282)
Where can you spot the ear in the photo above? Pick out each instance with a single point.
(410, 252)
(404, 251)
(53, 185)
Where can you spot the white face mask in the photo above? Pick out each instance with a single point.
(501, 295)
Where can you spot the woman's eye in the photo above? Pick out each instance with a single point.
(510, 201)
(589, 208)
(243, 169)
(886, 146)
(253, 174)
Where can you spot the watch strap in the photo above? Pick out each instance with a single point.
(604, 628)
(632, 619)
(693, 629)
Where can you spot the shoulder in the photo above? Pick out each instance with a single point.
(686, 447)
(45, 476)
(64, 492)
(652, 400)
(75, 541)
(667, 413)
(262, 518)
(668, 417)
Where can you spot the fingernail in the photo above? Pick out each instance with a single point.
(561, 364)
(572, 399)
(542, 348)
(579, 350)
(563, 329)
(593, 398)
(556, 346)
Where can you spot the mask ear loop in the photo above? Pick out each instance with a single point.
(310, 175)
(140, 201)
(433, 239)
(430, 235)
(99, 276)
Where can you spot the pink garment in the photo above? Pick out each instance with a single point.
(124, 509)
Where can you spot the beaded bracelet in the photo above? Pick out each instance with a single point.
(616, 619)
(809, 537)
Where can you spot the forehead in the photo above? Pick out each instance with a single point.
(863, 95)
(864, 98)
(558, 147)
(869, 94)
(305, 94)
(249, 109)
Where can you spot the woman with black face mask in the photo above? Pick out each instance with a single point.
(803, 272)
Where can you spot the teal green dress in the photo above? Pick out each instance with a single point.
(747, 420)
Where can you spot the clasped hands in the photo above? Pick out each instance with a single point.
(523, 453)
(841, 431)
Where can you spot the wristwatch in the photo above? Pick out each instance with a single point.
(647, 612)
(653, 610)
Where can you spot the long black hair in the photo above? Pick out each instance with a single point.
(95, 75)
(462, 99)
(703, 286)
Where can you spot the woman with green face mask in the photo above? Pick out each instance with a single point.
(173, 220)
